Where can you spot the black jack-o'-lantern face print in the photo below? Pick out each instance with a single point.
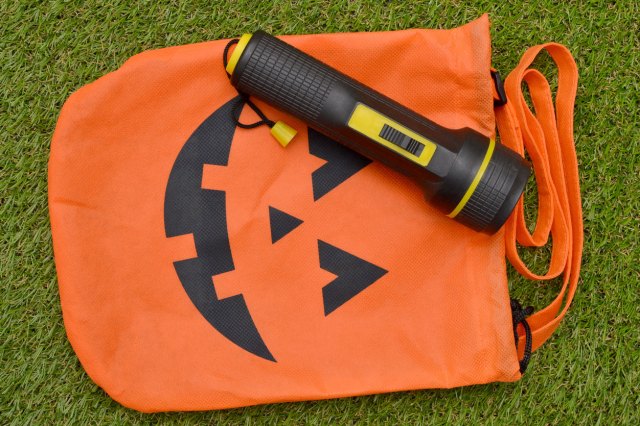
(204, 213)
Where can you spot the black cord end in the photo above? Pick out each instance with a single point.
(519, 316)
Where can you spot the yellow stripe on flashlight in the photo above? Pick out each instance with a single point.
(476, 180)
(235, 56)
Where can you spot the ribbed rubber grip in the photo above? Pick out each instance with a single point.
(287, 79)
(497, 192)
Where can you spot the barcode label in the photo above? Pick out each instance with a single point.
(398, 138)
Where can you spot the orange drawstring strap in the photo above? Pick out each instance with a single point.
(546, 134)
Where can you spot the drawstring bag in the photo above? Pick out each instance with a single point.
(203, 266)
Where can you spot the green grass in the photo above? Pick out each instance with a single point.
(587, 373)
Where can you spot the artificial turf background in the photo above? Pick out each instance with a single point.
(587, 373)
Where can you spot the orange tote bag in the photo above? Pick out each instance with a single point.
(203, 266)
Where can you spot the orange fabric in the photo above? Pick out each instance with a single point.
(439, 317)
(547, 137)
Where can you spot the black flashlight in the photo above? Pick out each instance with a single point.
(469, 177)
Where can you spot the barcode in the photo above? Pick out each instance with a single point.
(398, 138)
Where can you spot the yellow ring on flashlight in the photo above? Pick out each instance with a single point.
(476, 180)
(235, 56)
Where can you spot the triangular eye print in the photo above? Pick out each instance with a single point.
(353, 275)
(342, 163)
(281, 223)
